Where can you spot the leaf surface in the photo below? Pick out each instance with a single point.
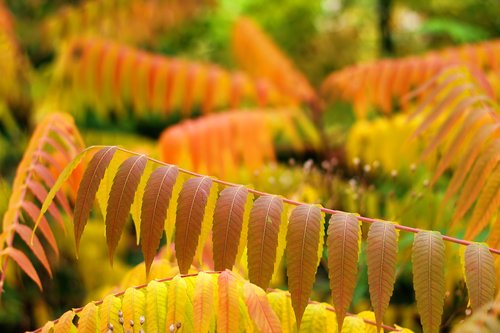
(88, 189)
(260, 310)
(157, 195)
(190, 211)
(381, 256)
(120, 199)
(263, 231)
(156, 306)
(203, 302)
(228, 308)
(304, 238)
(108, 313)
(24, 263)
(177, 298)
(133, 307)
(89, 319)
(344, 235)
(480, 275)
(228, 223)
(428, 278)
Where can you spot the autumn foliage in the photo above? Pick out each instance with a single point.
(249, 200)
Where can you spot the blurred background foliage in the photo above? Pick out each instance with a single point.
(355, 170)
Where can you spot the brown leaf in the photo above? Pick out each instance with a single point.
(190, 211)
(155, 202)
(228, 221)
(263, 230)
(304, 237)
(120, 199)
(88, 189)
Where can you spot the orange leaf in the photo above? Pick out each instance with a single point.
(155, 202)
(121, 197)
(228, 221)
(190, 211)
(229, 308)
(304, 235)
(33, 212)
(263, 230)
(25, 233)
(24, 263)
(260, 310)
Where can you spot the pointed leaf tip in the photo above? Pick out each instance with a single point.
(88, 189)
(120, 199)
(381, 256)
(304, 237)
(428, 278)
(155, 203)
(190, 212)
(227, 228)
(263, 231)
(344, 235)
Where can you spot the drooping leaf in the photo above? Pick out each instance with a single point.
(428, 278)
(89, 319)
(344, 235)
(381, 256)
(190, 211)
(155, 202)
(228, 223)
(120, 199)
(260, 310)
(24, 263)
(263, 230)
(228, 311)
(25, 233)
(203, 302)
(53, 146)
(480, 275)
(133, 308)
(156, 306)
(304, 237)
(88, 189)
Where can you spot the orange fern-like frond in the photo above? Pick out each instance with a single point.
(380, 82)
(460, 102)
(54, 144)
(112, 76)
(258, 55)
(219, 144)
